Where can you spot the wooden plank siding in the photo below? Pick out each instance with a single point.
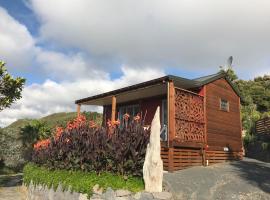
(263, 126)
(214, 157)
(177, 158)
(223, 127)
(165, 157)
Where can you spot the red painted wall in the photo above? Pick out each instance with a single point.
(147, 106)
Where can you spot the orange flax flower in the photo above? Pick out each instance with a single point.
(42, 144)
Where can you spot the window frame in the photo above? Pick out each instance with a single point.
(125, 107)
(222, 108)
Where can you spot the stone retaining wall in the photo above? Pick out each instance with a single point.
(40, 192)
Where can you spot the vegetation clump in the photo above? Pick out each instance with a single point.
(82, 145)
(78, 181)
(18, 138)
(10, 88)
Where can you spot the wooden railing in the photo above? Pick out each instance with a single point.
(189, 117)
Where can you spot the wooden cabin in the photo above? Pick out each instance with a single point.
(201, 117)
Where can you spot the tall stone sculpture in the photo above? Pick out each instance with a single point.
(153, 165)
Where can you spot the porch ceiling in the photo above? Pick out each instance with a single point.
(140, 93)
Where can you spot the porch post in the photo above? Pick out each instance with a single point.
(171, 102)
(113, 108)
(78, 110)
(171, 123)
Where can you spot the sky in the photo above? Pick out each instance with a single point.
(70, 49)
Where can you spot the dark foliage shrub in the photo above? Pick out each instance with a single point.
(81, 147)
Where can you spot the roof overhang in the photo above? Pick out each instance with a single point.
(152, 88)
(138, 91)
(130, 95)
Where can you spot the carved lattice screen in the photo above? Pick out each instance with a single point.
(189, 117)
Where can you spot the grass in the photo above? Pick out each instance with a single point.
(78, 181)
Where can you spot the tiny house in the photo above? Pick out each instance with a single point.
(200, 118)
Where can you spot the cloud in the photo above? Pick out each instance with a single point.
(70, 67)
(91, 39)
(22, 54)
(70, 76)
(16, 43)
(185, 34)
(51, 97)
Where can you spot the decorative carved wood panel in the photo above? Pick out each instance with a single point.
(189, 116)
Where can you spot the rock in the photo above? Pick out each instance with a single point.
(122, 193)
(97, 190)
(123, 198)
(109, 194)
(137, 195)
(83, 197)
(146, 196)
(162, 195)
(96, 197)
(153, 165)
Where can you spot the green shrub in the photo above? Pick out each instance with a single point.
(78, 181)
(249, 139)
(33, 131)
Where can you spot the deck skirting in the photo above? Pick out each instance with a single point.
(183, 158)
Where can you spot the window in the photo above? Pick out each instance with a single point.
(164, 112)
(224, 105)
(164, 121)
(132, 110)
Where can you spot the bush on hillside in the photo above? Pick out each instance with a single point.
(11, 150)
(83, 146)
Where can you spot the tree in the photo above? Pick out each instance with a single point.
(10, 88)
(230, 73)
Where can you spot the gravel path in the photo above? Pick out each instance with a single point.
(248, 180)
(10, 187)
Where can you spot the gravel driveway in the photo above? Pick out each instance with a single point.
(248, 179)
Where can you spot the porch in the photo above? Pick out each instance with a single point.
(182, 116)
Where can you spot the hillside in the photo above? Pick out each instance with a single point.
(56, 119)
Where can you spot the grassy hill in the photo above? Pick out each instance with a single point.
(56, 119)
